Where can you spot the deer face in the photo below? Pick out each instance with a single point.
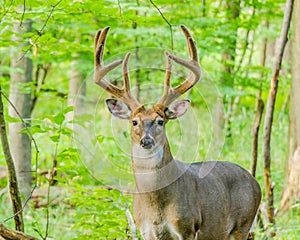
(148, 124)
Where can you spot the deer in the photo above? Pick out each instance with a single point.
(176, 200)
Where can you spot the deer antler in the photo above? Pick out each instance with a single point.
(170, 94)
(100, 71)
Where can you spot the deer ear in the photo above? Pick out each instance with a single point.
(177, 109)
(118, 108)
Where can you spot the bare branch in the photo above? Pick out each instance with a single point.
(270, 111)
(166, 20)
(23, 13)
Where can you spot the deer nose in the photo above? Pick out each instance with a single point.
(147, 142)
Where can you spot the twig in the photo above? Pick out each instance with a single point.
(24, 205)
(245, 46)
(243, 53)
(5, 12)
(166, 20)
(50, 183)
(23, 13)
(40, 32)
(39, 84)
(50, 15)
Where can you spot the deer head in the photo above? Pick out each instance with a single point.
(147, 124)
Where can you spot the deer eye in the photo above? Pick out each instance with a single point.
(160, 122)
(134, 123)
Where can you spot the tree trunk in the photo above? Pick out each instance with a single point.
(269, 186)
(12, 178)
(228, 58)
(77, 91)
(259, 108)
(20, 96)
(292, 191)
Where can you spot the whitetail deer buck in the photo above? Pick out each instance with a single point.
(175, 200)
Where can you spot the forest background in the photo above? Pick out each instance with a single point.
(73, 159)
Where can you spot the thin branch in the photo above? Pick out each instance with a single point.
(166, 20)
(120, 8)
(23, 13)
(40, 32)
(38, 84)
(24, 205)
(53, 173)
(243, 53)
(5, 12)
(36, 154)
(255, 131)
(49, 16)
(13, 182)
(245, 45)
(27, 130)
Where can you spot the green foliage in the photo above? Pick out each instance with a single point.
(100, 213)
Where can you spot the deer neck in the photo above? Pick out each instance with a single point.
(154, 169)
(148, 160)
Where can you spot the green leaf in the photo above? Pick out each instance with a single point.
(36, 129)
(68, 109)
(12, 119)
(100, 138)
(58, 118)
(55, 138)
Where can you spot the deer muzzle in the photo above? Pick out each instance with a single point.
(147, 142)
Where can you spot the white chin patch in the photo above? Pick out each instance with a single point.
(147, 158)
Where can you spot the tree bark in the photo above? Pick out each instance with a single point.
(259, 108)
(12, 178)
(255, 132)
(269, 186)
(7, 233)
(228, 58)
(77, 90)
(292, 191)
(20, 96)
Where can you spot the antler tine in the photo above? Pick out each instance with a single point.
(168, 75)
(127, 96)
(170, 94)
(167, 85)
(100, 71)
